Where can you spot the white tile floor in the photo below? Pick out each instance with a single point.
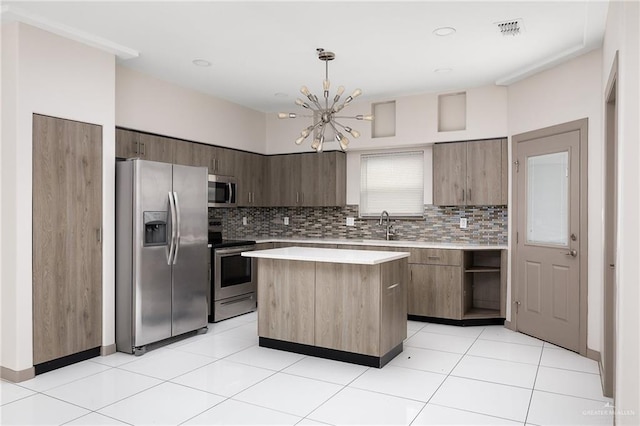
(445, 376)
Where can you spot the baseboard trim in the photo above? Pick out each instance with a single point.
(54, 364)
(17, 376)
(594, 355)
(108, 350)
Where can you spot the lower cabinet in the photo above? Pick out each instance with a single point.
(286, 300)
(457, 284)
(435, 291)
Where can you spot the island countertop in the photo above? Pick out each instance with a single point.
(328, 255)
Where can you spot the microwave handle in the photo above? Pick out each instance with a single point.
(230, 192)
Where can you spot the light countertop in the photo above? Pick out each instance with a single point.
(329, 255)
(384, 243)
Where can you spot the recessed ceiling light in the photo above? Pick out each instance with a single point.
(280, 95)
(201, 63)
(442, 70)
(444, 31)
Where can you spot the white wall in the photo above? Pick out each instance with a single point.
(47, 74)
(146, 103)
(416, 123)
(565, 93)
(622, 35)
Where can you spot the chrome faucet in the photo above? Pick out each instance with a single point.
(389, 227)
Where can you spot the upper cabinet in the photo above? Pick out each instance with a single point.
(470, 173)
(249, 172)
(130, 144)
(309, 179)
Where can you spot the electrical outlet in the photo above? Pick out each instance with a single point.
(286, 220)
(463, 223)
(351, 221)
(244, 221)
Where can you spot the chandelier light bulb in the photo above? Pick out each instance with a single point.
(315, 144)
(300, 140)
(356, 93)
(344, 142)
(305, 91)
(354, 133)
(326, 84)
(367, 117)
(340, 91)
(286, 115)
(305, 132)
(302, 103)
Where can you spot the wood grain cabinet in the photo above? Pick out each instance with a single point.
(250, 174)
(132, 144)
(310, 179)
(470, 173)
(435, 283)
(67, 243)
(286, 297)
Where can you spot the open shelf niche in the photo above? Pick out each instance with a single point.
(483, 287)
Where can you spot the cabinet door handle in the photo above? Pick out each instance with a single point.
(136, 147)
(393, 286)
(469, 194)
(410, 275)
(433, 257)
(142, 149)
(462, 194)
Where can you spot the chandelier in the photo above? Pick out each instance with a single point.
(325, 117)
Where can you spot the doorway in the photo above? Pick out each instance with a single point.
(610, 230)
(550, 234)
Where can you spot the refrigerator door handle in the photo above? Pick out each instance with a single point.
(177, 234)
(174, 225)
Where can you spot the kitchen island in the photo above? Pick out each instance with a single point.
(347, 305)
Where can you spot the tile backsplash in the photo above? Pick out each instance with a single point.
(486, 224)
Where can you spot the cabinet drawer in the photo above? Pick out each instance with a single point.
(435, 256)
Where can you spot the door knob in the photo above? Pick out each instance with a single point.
(572, 253)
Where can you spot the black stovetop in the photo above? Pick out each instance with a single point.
(217, 242)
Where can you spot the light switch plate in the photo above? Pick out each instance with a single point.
(244, 221)
(286, 220)
(463, 223)
(351, 221)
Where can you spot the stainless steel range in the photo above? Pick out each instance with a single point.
(232, 289)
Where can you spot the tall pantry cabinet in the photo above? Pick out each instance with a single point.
(67, 241)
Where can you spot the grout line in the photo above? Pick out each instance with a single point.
(533, 388)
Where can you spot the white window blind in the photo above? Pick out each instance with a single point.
(393, 182)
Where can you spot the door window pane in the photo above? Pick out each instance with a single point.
(548, 199)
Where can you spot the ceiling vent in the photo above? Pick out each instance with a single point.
(511, 27)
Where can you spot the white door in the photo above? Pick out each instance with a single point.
(548, 291)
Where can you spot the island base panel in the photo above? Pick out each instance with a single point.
(463, 322)
(336, 355)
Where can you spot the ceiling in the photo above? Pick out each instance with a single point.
(261, 52)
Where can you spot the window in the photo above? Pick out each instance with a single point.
(393, 182)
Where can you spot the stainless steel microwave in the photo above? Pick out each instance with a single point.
(222, 191)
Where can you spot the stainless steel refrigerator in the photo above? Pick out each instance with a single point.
(162, 269)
